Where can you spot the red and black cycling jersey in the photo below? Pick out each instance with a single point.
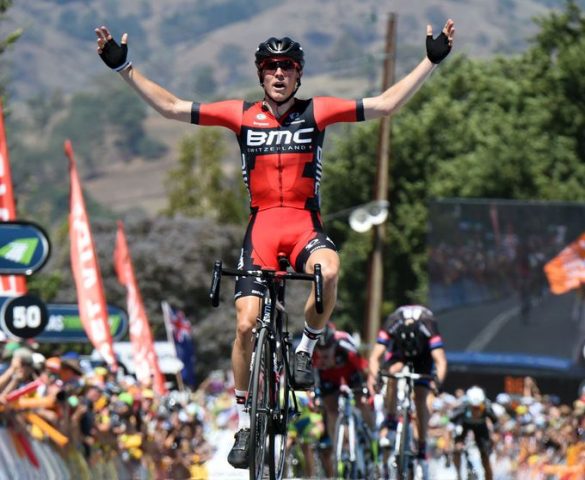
(282, 158)
(339, 362)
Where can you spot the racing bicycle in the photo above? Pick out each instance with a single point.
(272, 401)
(355, 448)
(402, 461)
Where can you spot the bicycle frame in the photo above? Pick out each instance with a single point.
(360, 461)
(271, 401)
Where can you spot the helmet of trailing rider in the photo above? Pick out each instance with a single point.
(475, 396)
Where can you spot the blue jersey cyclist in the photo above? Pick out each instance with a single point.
(280, 139)
(409, 336)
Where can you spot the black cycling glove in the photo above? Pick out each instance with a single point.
(115, 56)
(438, 48)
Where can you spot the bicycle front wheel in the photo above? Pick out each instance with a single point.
(403, 458)
(259, 415)
(345, 465)
(281, 394)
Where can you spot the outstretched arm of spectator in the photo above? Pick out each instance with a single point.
(6, 377)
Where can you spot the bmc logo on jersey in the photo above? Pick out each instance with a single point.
(278, 137)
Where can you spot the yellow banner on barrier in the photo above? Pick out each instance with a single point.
(27, 403)
(48, 429)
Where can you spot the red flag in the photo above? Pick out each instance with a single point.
(566, 271)
(145, 358)
(10, 285)
(93, 309)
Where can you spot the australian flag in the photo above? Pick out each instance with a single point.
(181, 332)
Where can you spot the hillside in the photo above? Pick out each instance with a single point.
(58, 52)
(179, 43)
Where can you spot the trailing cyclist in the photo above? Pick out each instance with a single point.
(338, 362)
(474, 414)
(306, 430)
(410, 336)
(280, 139)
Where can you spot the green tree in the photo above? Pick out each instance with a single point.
(198, 187)
(11, 38)
(504, 128)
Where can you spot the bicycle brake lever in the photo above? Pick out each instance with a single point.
(215, 284)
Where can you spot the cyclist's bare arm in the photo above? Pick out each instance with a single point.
(374, 365)
(163, 101)
(440, 360)
(389, 101)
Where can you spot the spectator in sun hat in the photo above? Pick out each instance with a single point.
(19, 373)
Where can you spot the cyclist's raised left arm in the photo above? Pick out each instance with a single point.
(391, 100)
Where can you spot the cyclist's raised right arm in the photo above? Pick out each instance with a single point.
(116, 57)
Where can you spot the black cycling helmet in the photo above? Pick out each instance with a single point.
(327, 338)
(280, 47)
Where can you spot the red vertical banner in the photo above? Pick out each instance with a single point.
(10, 285)
(93, 309)
(145, 358)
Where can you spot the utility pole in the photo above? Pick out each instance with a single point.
(375, 263)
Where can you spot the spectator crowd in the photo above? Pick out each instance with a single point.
(104, 425)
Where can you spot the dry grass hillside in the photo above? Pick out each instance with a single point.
(57, 52)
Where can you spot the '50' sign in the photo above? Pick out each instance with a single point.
(23, 317)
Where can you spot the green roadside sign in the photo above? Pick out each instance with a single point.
(24, 248)
(65, 326)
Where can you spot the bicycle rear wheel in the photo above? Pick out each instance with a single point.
(259, 415)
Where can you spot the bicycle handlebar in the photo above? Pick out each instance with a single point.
(408, 375)
(353, 391)
(219, 270)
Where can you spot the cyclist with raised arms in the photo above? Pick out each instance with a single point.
(410, 335)
(280, 140)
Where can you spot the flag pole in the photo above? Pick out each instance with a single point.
(167, 321)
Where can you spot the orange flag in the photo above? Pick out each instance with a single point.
(10, 285)
(145, 359)
(566, 271)
(93, 309)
